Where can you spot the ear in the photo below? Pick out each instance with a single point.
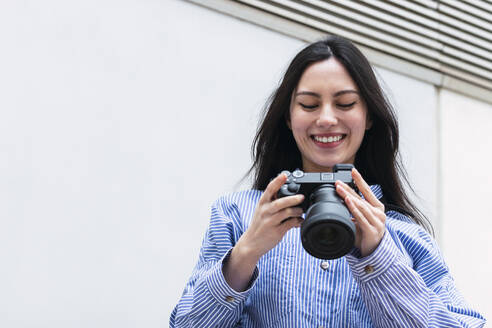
(287, 121)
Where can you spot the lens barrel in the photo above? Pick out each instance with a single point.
(327, 232)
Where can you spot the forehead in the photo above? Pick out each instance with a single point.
(326, 76)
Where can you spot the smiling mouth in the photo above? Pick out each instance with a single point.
(327, 140)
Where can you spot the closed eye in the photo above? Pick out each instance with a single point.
(308, 106)
(346, 105)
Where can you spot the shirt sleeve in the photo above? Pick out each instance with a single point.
(207, 300)
(405, 282)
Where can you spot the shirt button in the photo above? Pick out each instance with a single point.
(369, 269)
(324, 265)
(229, 299)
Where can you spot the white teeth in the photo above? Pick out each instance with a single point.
(328, 139)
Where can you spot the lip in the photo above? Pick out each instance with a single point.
(330, 144)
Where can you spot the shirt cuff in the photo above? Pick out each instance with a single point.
(220, 289)
(369, 267)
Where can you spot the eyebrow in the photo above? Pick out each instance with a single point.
(336, 94)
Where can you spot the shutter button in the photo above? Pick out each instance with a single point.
(324, 265)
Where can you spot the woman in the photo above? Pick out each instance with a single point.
(253, 271)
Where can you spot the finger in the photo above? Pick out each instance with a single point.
(285, 214)
(343, 190)
(368, 213)
(347, 188)
(359, 217)
(291, 223)
(284, 202)
(379, 214)
(272, 188)
(365, 189)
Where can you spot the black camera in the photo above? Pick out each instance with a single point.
(327, 231)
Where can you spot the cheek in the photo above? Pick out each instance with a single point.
(297, 124)
(359, 124)
(361, 128)
(300, 132)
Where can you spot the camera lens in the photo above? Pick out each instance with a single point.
(327, 232)
(326, 236)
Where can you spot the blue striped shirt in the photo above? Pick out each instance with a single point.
(403, 283)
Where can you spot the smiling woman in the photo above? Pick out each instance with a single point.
(327, 116)
(253, 271)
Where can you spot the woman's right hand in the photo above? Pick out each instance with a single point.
(271, 220)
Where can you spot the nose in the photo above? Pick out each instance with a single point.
(327, 116)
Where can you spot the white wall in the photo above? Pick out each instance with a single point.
(466, 191)
(416, 107)
(120, 123)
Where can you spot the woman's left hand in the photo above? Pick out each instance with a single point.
(368, 214)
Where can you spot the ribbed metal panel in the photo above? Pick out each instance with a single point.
(453, 37)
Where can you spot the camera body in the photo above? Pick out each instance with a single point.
(299, 182)
(327, 231)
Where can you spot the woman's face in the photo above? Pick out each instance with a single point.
(328, 117)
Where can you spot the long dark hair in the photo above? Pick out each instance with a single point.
(274, 148)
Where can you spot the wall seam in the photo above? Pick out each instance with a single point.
(439, 174)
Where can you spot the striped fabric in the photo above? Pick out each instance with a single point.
(403, 283)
